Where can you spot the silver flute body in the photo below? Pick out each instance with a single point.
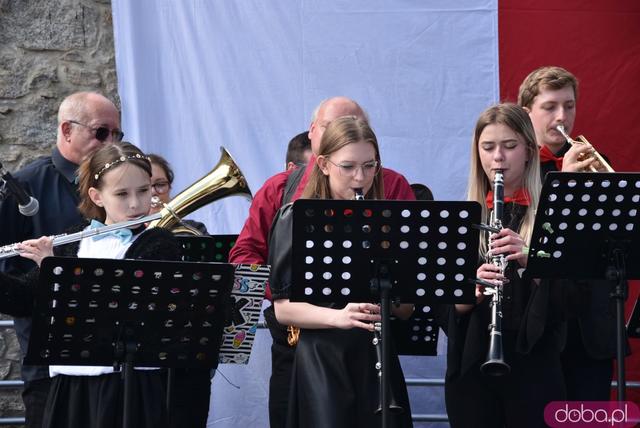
(495, 364)
(11, 249)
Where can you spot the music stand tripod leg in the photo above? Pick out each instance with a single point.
(171, 380)
(128, 372)
(616, 272)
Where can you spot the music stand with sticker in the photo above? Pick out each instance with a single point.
(407, 251)
(245, 302)
(587, 227)
(126, 313)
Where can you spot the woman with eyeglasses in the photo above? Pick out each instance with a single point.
(334, 381)
(161, 182)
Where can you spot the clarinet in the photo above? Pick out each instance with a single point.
(495, 364)
(377, 342)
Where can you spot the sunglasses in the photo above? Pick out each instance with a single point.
(102, 132)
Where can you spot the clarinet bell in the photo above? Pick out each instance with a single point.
(394, 408)
(495, 364)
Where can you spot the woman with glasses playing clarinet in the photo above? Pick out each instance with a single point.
(335, 380)
(524, 372)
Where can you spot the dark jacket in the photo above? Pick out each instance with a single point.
(532, 316)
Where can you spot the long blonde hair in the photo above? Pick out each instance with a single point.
(341, 132)
(517, 119)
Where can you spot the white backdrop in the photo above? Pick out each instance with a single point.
(197, 74)
(194, 75)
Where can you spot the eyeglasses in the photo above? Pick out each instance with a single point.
(161, 187)
(348, 170)
(102, 132)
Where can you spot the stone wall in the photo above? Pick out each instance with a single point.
(48, 49)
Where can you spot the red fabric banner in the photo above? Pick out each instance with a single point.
(599, 42)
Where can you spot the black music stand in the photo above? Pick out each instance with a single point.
(587, 227)
(205, 248)
(211, 248)
(417, 335)
(633, 327)
(245, 302)
(408, 251)
(127, 313)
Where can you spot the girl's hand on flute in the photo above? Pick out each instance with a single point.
(36, 249)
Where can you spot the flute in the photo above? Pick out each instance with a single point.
(65, 238)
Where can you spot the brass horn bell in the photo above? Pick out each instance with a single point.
(225, 179)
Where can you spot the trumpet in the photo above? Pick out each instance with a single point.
(495, 364)
(598, 159)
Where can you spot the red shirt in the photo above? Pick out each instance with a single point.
(252, 243)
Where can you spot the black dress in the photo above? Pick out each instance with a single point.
(533, 334)
(334, 381)
(96, 401)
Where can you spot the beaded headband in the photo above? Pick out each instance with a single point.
(117, 161)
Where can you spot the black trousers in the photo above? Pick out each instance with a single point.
(34, 397)
(97, 401)
(586, 378)
(190, 396)
(515, 400)
(282, 356)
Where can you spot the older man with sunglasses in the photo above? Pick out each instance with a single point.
(86, 122)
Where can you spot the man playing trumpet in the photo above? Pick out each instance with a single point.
(549, 95)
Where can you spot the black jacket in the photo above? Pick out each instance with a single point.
(533, 315)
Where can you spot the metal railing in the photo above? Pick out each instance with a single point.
(417, 417)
